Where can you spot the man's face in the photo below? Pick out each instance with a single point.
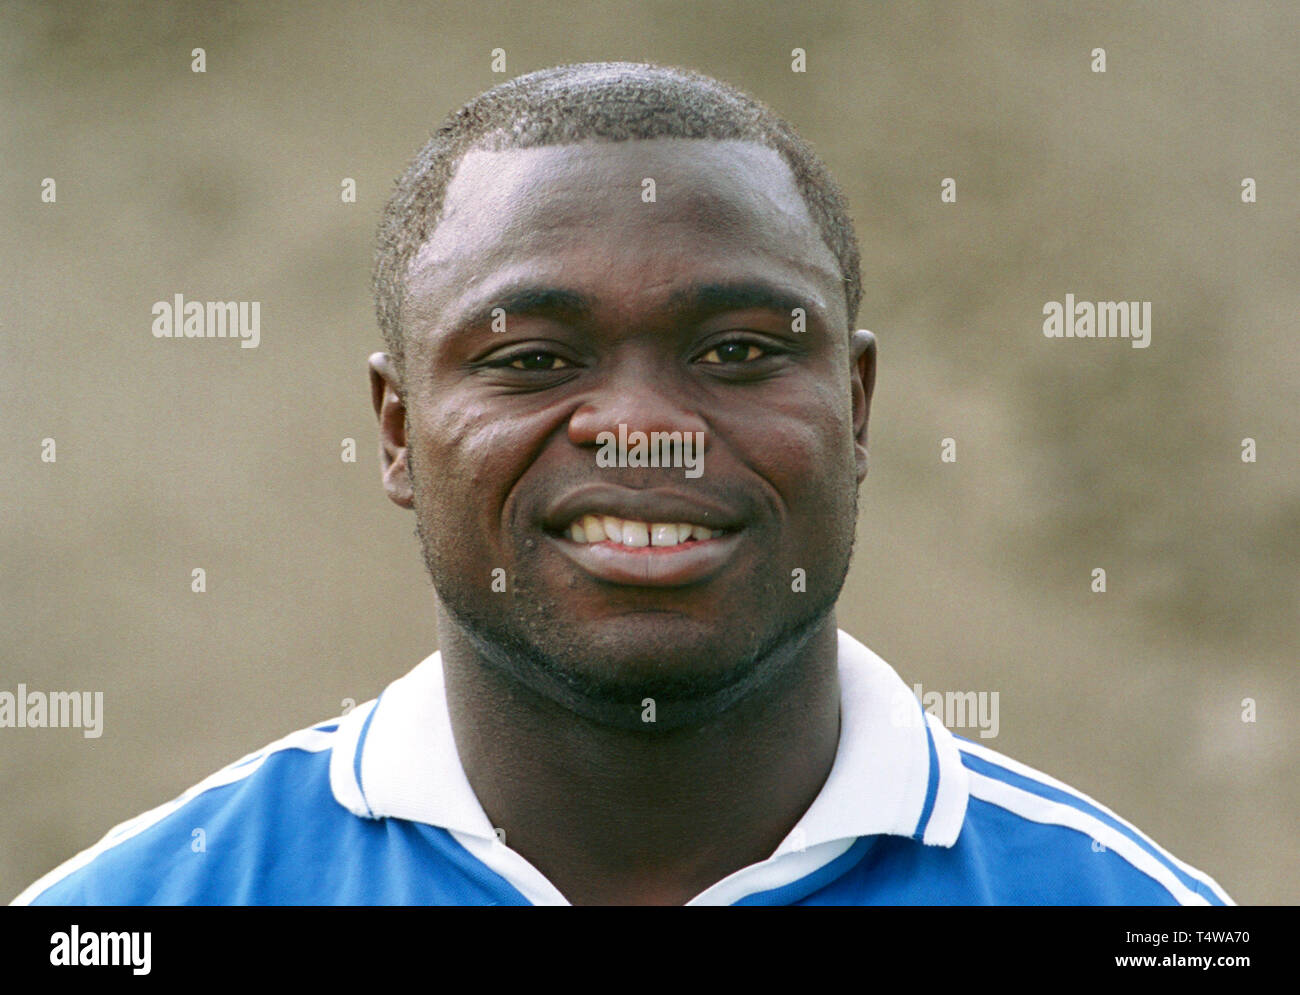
(664, 315)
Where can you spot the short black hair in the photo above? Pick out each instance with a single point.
(605, 101)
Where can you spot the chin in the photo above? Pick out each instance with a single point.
(658, 655)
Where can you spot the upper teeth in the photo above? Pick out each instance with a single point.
(599, 528)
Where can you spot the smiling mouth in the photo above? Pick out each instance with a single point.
(628, 533)
(628, 552)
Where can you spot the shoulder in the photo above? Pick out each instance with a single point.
(1019, 837)
(195, 848)
(991, 830)
(1055, 844)
(1024, 839)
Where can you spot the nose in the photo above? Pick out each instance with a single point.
(636, 397)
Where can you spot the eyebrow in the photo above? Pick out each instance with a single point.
(742, 295)
(531, 301)
(694, 302)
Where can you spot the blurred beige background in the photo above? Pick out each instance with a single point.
(973, 575)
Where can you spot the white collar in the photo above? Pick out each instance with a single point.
(896, 772)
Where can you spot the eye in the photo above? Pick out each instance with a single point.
(538, 360)
(734, 352)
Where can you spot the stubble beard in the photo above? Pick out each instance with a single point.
(522, 632)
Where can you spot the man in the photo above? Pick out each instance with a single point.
(626, 401)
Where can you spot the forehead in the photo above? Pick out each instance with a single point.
(645, 213)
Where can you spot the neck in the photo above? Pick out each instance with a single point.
(614, 816)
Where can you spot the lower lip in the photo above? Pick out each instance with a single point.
(651, 566)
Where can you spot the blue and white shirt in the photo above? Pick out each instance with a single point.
(374, 808)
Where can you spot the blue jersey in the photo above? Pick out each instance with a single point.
(374, 808)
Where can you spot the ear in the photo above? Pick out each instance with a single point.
(386, 396)
(862, 361)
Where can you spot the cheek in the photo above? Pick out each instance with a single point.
(801, 442)
(469, 458)
(457, 455)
